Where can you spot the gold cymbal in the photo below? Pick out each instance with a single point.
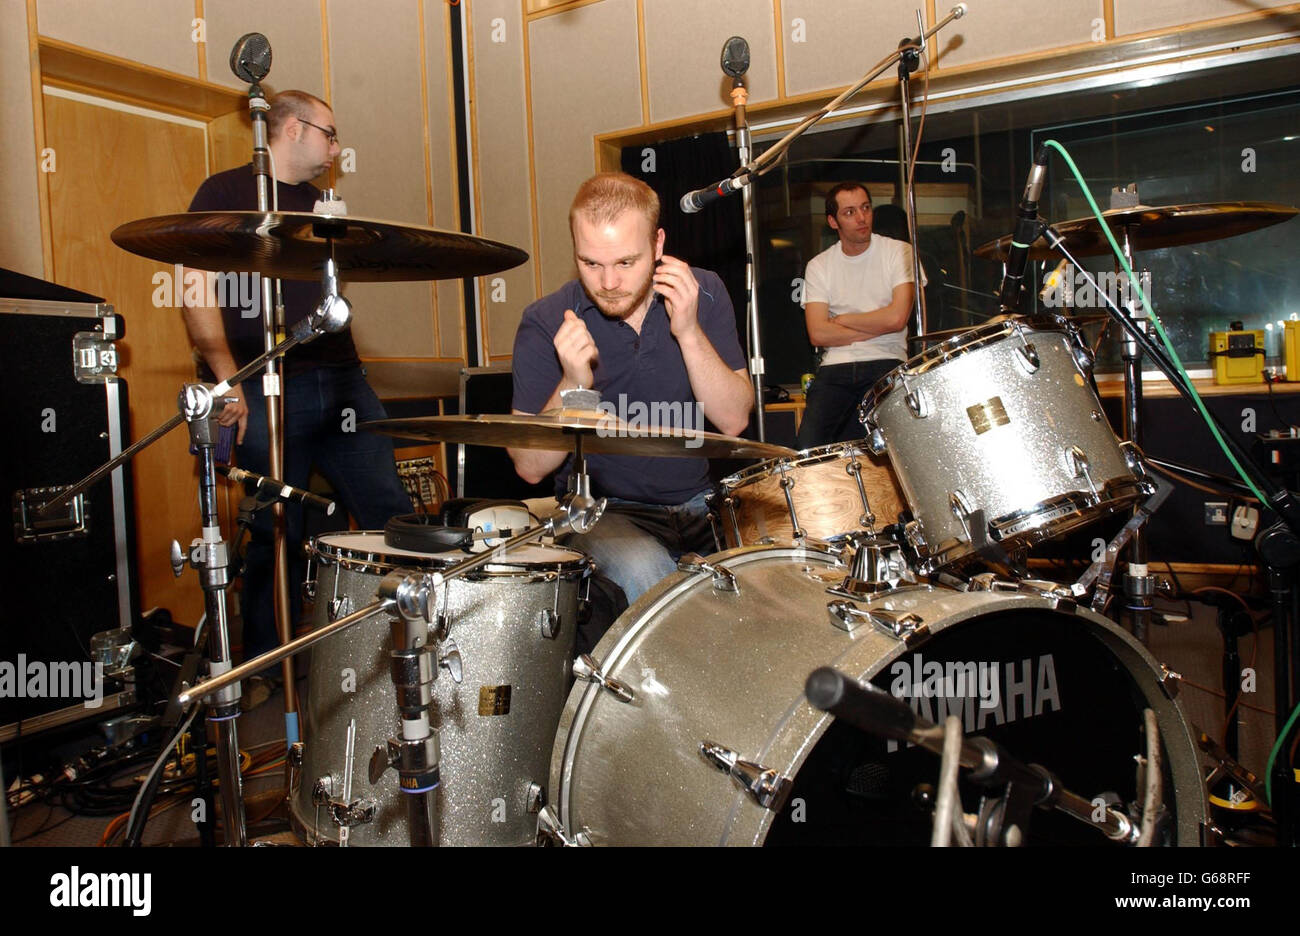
(602, 434)
(296, 244)
(1151, 228)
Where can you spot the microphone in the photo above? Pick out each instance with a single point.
(1028, 229)
(735, 57)
(694, 201)
(250, 59)
(286, 492)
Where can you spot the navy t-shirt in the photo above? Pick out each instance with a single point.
(236, 190)
(641, 378)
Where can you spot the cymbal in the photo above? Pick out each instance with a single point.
(602, 434)
(1151, 228)
(1079, 321)
(295, 245)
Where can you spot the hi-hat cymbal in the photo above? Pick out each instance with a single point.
(602, 434)
(296, 244)
(1151, 228)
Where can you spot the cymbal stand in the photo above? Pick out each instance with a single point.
(909, 59)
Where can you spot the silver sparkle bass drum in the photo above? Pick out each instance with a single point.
(505, 642)
(997, 436)
(707, 670)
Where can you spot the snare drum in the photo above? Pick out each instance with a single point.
(822, 493)
(695, 662)
(997, 435)
(497, 698)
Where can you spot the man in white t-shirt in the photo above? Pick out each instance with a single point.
(857, 298)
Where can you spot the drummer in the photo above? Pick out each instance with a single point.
(857, 298)
(654, 336)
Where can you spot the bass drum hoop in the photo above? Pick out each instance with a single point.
(748, 824)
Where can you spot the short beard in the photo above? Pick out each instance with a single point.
(635, 304)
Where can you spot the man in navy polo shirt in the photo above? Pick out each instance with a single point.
(657, 339)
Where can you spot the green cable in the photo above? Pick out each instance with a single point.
(1133, 280)
(1200, 405)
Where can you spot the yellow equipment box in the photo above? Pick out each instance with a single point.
(1238, 355)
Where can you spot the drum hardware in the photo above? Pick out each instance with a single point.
(587, 669)
(723, 578)
(536, 797)
(766, 786)
(787, 485)
(878, 564)
(1003, 820)
(344, 812)
(903, 625)
(551, 831)
(451, 661)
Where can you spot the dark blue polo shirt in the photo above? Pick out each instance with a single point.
(641, 378)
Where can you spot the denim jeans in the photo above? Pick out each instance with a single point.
(831, 412)
(323, 410)
(637, 545)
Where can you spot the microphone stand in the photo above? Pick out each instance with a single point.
(909, 59)
(757, 366)
(271, 393)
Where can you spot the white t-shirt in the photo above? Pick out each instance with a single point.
(861, 284)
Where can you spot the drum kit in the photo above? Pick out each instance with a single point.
(868, 607)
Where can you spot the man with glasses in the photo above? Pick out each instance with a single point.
(857, 298)
(326, 395)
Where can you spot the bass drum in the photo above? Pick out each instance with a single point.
(1065, 688)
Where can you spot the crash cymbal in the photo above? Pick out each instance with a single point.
(1079, 321)
(602, 434)
(1151, 228)
(295, 245)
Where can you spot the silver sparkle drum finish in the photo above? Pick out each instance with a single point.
(997, 435)
(707, 665)
(823, 493)
(512, 624)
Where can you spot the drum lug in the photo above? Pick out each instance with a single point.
(768, 788)
(586, 668)
(451, 662)
(723, 578)
(847, 616)
(535, 798)
(309, 582)
(1077, 462)
(917, 401)
(876, 442)
(295, 754)
(340, 607)
(550, 831)
(549, 623)
(1027, 358)
(1169, 681)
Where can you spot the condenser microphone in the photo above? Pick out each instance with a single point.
(1028, 229)
(276, 488)
(250, 59)
(735, 57)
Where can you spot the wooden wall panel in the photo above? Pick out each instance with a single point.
(1134, 16)
(375, 76)
(157, 166)
(505, 199)
(684, 51)
(154, 32)
(834, 42)
(293, 28)
(572, 53)
(20, 234)
(995, 29)
(230, 141)
(442, 152)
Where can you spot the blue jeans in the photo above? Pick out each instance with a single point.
(831, 412)
(323, 410)
(637, 545)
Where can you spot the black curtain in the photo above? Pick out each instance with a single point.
(714, 238)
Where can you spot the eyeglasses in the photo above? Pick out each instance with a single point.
(330, 133)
